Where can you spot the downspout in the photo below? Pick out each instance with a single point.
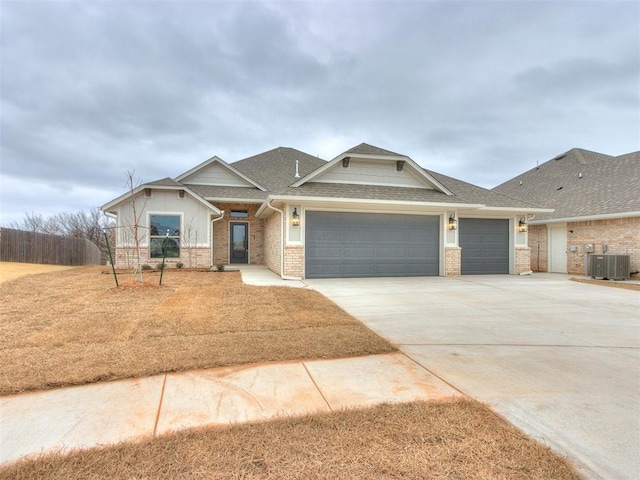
(284, 219)
(212, 222)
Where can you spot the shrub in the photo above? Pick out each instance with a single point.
(220, 267)
(146, 267)
(161, 266)
(179, 264)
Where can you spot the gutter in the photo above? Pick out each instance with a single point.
(301, 198)
(586, 218)
(517, 209)
(283, 220)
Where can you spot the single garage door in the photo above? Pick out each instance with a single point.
(370, 245)
(485, 246)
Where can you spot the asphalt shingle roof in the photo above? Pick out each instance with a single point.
(366, 149)
(213, 191)
(473, 194)
(275, 171)
(164, 182)
(276, 168)
(463, 193)
(580, 183)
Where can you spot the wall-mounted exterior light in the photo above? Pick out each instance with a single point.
(522, 225)
(295, 218)
(453, 222)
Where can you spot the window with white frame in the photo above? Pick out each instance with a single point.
(164, 233)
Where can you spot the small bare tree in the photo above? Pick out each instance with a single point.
(135, 227)
(190, 239)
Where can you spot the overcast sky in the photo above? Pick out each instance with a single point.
(478, 90)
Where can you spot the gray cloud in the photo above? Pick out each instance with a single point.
(478, 90)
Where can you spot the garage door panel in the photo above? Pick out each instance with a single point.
(366, 245)
(358, 252)
(485, 246)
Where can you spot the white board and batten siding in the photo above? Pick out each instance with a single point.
(370, 172)
(194, 223)
(216, 174)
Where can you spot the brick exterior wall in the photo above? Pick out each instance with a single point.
(221, 233)
(538, 238)
(125, 257)
(191, 257)
(523, 260)
(273, 242)
(294, 261)
(620, 235)
(452, 261)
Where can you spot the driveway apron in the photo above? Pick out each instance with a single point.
(557, 358)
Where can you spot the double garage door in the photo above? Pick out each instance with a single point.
(342, 244)
(371, 245)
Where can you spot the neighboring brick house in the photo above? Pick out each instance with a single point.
(367, 212)
(596, 201)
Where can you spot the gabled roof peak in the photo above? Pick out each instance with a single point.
(163, 182)
(366, 149)
(223, 164)
(583, 156)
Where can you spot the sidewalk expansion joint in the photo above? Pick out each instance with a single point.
(431, 372)
(155, 425)
(317, 387)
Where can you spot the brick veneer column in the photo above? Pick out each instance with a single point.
(452, 261)
(294, 261)
(523, 260)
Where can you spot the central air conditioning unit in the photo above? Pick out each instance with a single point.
(613, 267)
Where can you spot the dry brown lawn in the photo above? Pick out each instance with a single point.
(448, 440)
(74, 326)
(11, 270)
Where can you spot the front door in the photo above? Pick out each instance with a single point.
(239, 243)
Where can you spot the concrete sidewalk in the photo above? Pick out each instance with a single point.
(70, 418)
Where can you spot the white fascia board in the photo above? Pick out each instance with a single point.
(107, 206)
(202, 165)
(363, 201)
(320, 170)
(518, 209)
(176, 188)
(587, 218)
(200, 199)
(233, 200)
(218, 160)
(386, 158)
(299, 199)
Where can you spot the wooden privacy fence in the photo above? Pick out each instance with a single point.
(32, 247)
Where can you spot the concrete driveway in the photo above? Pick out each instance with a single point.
(558, 359)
